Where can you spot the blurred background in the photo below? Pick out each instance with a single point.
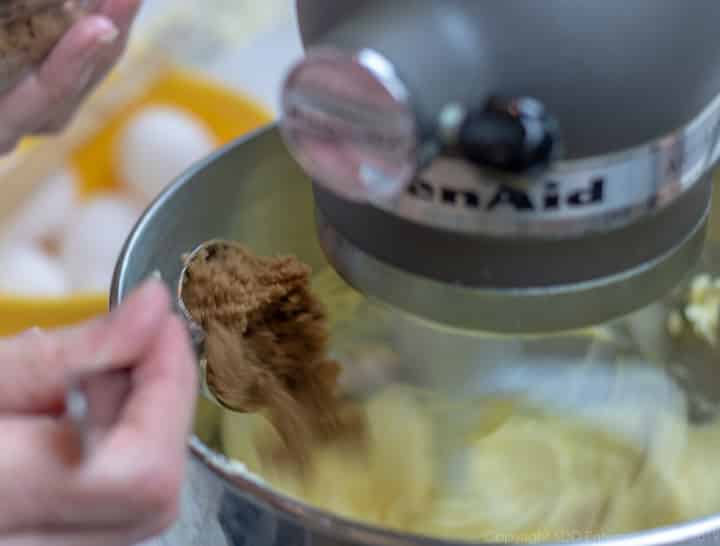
(198, 74)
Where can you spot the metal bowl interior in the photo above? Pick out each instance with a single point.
(254, 193)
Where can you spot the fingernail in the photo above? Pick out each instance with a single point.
(31, 333)
(103, 357)
(151, 288)
(153, 280)
(105, 28)
(94, 57)
(109, 35)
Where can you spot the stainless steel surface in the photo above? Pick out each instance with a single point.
(518, 310)
(245, 193)
(616, 225)
(347, 116)
(611, 222)
(198, 523)
(518, 307)
(348, 121)
(197, 334)
(611, 79)
(574, 198)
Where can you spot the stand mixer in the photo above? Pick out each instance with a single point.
(481, 165)
(497, 181)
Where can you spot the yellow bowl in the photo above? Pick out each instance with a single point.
(228, 113)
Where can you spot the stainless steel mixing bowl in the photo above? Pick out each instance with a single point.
(253, 192)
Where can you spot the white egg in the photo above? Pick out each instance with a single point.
(46, 212)
(27, 271)
(94, 240)
(157, 146)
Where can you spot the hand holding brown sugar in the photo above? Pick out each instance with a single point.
(266, 343)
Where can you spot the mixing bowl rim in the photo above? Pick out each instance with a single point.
(257, 491)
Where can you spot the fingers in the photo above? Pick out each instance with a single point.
(50, 491)
(70, 67)
(61, 79)
(82, 536)
(34, 468)
(47, 99)
(144, 454)
(78, 538)
(105, 396)
(37, 366)
(133, 479)
(162, 385)
(122, 13)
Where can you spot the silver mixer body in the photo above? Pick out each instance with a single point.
(481, 163)
(515, 166)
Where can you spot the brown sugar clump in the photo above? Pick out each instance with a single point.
(225, 283)
(30, 29)
(266, 344)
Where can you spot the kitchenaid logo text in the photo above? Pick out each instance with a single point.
(546, 197)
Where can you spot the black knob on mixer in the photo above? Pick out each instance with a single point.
(517, 136)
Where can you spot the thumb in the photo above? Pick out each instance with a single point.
(36, 366)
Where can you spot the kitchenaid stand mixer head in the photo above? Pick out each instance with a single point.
(508, 166)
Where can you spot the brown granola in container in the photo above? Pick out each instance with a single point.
(30, 29)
